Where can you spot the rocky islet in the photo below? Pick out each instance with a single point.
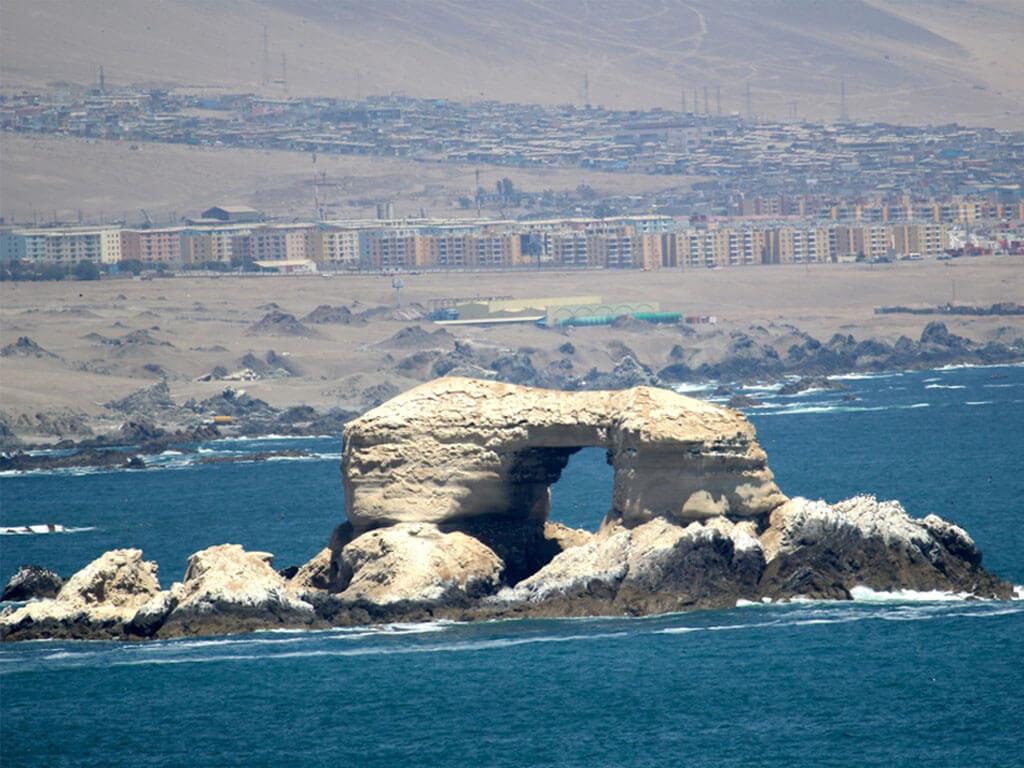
(447, 503)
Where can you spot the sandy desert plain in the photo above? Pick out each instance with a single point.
(194, 325)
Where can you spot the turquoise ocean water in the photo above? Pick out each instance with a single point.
(875, 682)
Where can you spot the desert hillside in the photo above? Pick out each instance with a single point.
(903, 60)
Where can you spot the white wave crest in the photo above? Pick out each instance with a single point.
(869, 595)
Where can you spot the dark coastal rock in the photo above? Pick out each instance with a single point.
(146, 401)
(742, 401)
(32, 582)
(514, 369)
(824, 551)
(87, 457)
(415, 337)
(326, 314)
(25, 347)
(278, 323)
(270, 366)
(628, 372)
(810, 383)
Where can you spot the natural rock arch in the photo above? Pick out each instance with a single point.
(455, 449)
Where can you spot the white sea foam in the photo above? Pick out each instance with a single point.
(978, 402)
(945, 386)
(919, 405)
(272, 436)
(687, 388)
(41, 529)
(856, 376)
(464, 647)
(869, 595)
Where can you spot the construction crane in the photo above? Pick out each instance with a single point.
(149, 220)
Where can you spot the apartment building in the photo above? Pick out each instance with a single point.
(61, 246)
(928, 240)
(387, 249)
(796, 245)
(152, 246)
(337, 248)
(282, 242)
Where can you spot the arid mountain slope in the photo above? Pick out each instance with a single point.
(903, 60)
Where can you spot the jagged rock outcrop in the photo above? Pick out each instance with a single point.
(32, 582)
(96, 602)
(655, 567)
(227, 589)
(821, 550)
(455, 449)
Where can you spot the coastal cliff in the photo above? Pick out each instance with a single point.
(447, 493)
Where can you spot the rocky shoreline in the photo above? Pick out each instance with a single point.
(447, 498)
(154, 422)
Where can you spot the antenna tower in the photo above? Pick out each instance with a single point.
(750, 111)
(284, 72)
(586, 90)
(706, 112)
(103, 81)
(843, 114)
(718, 100)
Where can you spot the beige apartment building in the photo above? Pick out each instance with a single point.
(928, 240)
(283, 242)
(152, 246)
(337, 248)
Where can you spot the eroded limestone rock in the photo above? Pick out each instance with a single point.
(654, 567)
(455, 448)
(418, 563)
(227, 589)
(96, 602)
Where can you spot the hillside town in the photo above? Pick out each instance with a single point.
(738, 164)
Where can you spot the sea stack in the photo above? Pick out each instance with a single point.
(447, 496)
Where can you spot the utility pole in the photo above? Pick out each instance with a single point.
(266, 56)
(843, 114)
(718, 100)
(316, 191)
(476, 193)
(586, 90)
(750, 112)
(359, 85)
(682, 101)
(284, 72)
(706, 110)
(103, 81)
